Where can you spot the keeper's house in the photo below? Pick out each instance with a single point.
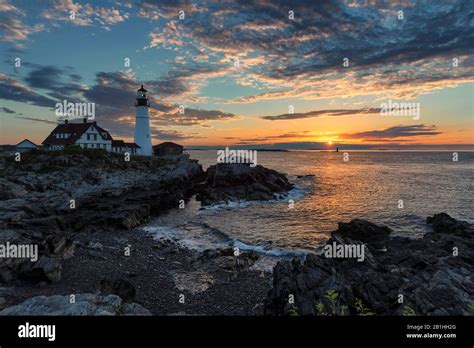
(87, 135)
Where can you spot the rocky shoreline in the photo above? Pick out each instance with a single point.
(432, 275)
(154, 275)
(98, 241)
(98, 250)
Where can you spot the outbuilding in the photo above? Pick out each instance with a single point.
(168, 148)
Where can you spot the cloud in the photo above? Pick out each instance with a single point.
(11, 89)
(14, 30)
(291, 135)
(392, 135)
(163, 135)
(34, 119)
(75, 13)
(192, 117)
(303, 57)
(324, 113)
(394, 132)
(114, 95)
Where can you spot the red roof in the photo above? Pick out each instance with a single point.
(121, 143)
(76, 130)
(118, 143)
(132, 145)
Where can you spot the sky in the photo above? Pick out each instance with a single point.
(277, 74)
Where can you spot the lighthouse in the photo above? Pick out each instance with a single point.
(142, 124)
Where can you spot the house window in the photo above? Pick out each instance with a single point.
(104, 135)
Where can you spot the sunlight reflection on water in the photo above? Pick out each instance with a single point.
(368, 186)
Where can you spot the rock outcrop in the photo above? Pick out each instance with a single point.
(399, 276)
(47, 198)
(83, 304)
(228, 182)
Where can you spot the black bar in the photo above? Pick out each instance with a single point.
(241, 330)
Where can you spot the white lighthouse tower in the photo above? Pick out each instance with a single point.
(142, 124)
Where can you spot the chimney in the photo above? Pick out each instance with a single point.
(66, 121)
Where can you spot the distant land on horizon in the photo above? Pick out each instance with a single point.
(353, 147)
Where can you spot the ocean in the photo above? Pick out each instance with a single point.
(392, 188)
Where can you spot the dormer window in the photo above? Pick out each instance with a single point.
(104, 135)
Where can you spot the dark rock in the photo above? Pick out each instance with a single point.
(360, 230)
(426, 271)
(217, 261)
(443, 223)
(227, 182)
(307, 176)
(109, 194)
(84, 304)
(119, 287)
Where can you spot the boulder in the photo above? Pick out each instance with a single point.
(226, 182)
(84, 304)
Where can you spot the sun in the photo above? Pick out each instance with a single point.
(329, 142)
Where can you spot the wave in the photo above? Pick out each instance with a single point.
(275, 252)
(296, 193)
(202, 237)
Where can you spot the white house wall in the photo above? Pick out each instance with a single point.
(94, 144)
